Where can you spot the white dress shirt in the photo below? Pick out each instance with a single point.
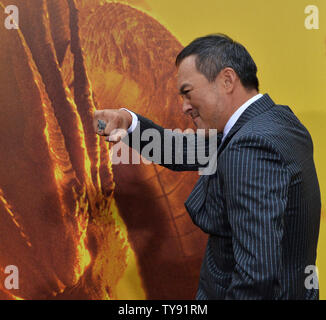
(233, 119)
(236, 115)
(134, 120)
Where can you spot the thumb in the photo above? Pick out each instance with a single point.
(116, 135)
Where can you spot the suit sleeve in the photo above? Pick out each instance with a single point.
(183, 156)
(256, 187)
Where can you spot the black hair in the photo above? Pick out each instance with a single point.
(218, 51)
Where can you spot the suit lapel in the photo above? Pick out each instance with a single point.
(197, 197)
(260, 106)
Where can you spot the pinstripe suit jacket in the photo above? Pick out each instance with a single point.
(261, 208)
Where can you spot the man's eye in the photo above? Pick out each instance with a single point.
(186, 93)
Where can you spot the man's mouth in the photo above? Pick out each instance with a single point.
(194, 120)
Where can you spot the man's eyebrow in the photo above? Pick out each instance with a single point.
(182, 89)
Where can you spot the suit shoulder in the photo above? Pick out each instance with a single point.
(277, 124)
(278, 127)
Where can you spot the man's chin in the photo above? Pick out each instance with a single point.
(200, 127)
(202, 131)
(208, 132)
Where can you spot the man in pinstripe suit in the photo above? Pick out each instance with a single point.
(261, 206)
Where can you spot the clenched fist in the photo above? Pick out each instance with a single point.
(112, 123)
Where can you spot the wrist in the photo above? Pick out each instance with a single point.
(134, 120)
(127, 118)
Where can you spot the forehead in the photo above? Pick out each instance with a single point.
(187, 71)
(187, 66)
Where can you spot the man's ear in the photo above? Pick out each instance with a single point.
(228, 77)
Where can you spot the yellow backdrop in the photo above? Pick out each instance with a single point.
(78, 227)
(291, 60)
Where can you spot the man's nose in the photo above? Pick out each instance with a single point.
(186, 107)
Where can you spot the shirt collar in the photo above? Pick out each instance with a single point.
(236, 115)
